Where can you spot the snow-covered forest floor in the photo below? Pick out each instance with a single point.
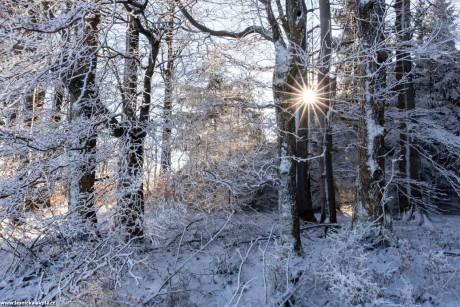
(194, 258)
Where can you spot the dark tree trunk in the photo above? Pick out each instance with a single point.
(304, 201)
(371, 158)
(82, 88)
(296, 14)
(409, 163)
(322, 180)
(58, 102)
(130, 185)
(131, 202)
(287, 194)
(329, 170)
(324, 94)
(131, 177)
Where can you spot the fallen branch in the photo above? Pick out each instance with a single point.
(313, 226)
(320, 225)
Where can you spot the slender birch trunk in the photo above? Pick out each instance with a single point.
(168, 100)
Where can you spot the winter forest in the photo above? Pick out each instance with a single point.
(230, 152)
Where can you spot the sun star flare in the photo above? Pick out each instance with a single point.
(308, 96)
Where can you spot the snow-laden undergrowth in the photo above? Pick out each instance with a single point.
(225, 259)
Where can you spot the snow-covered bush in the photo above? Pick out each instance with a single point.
(442, 273)
(345, 269)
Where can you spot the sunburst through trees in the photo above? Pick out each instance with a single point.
(306, 98)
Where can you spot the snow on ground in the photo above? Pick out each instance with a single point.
(195, 258)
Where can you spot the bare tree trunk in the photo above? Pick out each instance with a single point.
(82, 88)
(371, 159)
(131, 173)
(329, 166)
(131, 198)
(322, 181)
(285, 64)
(303, 201)
(144, 113)
(409, 163)
(324, 93)
(290, 231)
(130, 185)
(401, 24)
(168, 100)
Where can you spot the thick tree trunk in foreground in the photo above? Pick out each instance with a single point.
(296, 14)
(371, 160)
(285, 64)
(290, 228)
(82, 88)
(130, 185)
(131, 189)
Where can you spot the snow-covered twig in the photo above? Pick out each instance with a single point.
(203, 247)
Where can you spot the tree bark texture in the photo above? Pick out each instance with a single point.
(130, 175)
(168, 100)
(409, 163)
(371, 159)
(83, 90)
(304, 201)
(324, 94)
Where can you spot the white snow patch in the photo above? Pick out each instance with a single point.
(282, 61)
(285, 163)
(373, 130)
(245, 266)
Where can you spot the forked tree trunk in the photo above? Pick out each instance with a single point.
(131, 173)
